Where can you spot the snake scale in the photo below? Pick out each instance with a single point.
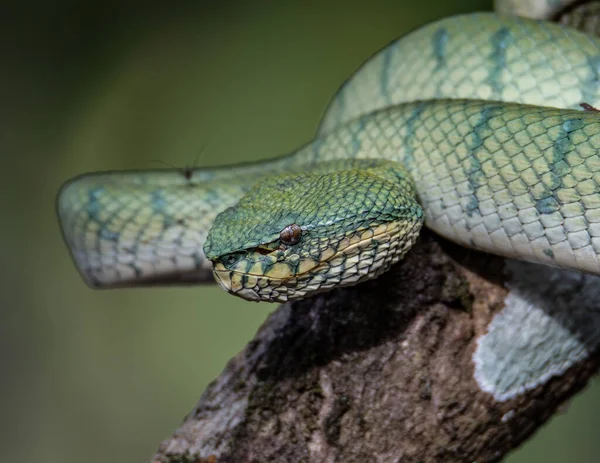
(471, 125)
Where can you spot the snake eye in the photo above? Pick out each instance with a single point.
(290, 234)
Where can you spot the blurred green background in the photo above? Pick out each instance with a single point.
(95, 376)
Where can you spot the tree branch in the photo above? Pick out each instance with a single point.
(439, 359)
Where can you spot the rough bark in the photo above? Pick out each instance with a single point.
(382, 371)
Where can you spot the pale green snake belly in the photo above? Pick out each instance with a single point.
(476, 118)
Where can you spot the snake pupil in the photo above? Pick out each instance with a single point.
(290, 235)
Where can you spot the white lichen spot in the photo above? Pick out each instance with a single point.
(550, 321)
(507, 416)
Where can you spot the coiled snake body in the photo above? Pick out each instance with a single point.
(472, 125)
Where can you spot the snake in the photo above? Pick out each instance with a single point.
(480, 126)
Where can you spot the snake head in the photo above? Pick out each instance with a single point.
(295, 235)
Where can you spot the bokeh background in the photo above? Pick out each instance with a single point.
(96, 376)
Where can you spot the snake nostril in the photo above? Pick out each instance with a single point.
(231, 259)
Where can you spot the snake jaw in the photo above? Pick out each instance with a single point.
(355, 258)
(225, 279)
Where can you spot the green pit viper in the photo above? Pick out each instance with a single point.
(471, 125)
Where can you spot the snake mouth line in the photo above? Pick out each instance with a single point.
(251, 285)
